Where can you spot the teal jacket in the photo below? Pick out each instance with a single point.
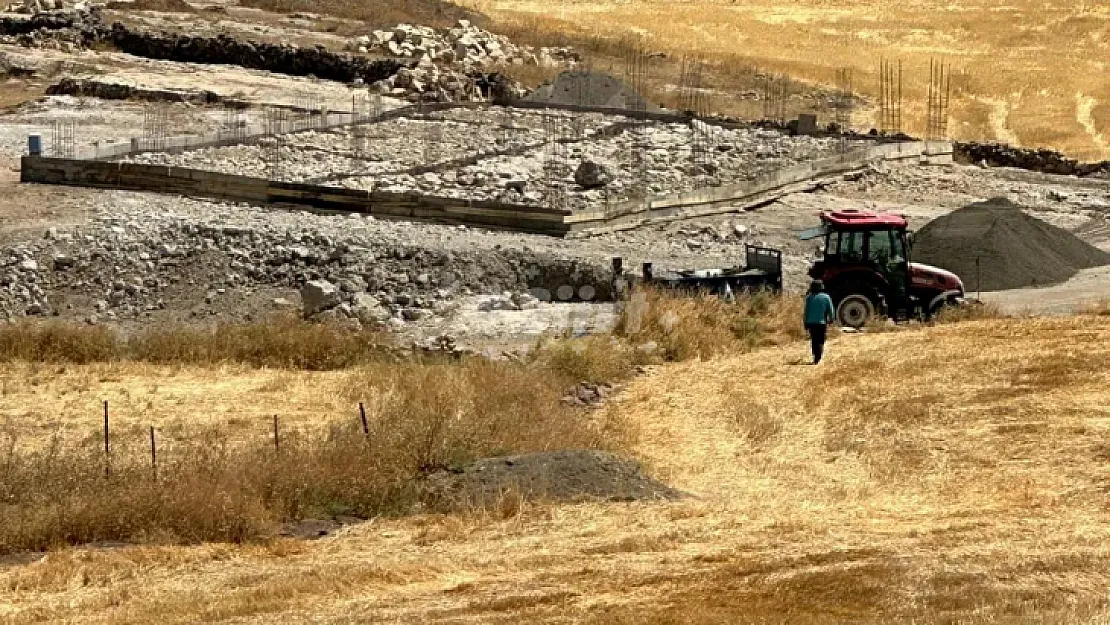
(819, 308)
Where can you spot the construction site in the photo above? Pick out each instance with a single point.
(448, 343)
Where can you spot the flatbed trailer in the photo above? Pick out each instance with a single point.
(762, 270)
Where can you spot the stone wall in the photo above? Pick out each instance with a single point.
(196, 183)
(1040, 160)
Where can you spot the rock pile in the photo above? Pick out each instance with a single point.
(68, 31)
(32, 7)
(430, 82)
(465, 44)
(130, 263)
(588, 395)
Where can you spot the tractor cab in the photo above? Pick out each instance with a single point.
(866, 269)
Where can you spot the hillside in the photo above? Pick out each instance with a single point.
(948, 474)
(1026, 73)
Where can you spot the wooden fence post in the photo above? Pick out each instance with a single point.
(107, 457)
(153, 454)
(362, 415)
(277, 440)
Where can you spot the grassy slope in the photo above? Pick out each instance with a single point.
(955, 472)
(1023, 71)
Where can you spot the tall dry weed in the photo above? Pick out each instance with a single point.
(281, 342)
(704, 326)
(421, 417)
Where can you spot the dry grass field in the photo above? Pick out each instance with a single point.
(951, 474)
(1027, 72)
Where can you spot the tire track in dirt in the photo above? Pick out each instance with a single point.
(1084, 114)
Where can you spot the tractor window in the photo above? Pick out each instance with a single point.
(879, 248)
(832, 244)
(897, 248)
(851, 247)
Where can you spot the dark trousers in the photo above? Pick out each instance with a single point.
(817, 333)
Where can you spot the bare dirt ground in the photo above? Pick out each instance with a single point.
(1089, 288)
(834, 493)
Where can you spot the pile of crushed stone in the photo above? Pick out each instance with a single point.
(559, 476)
(591, 88)
(1014, 250)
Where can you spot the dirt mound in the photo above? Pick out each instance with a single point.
(555, 476)
(1013, 249)
(590, 88)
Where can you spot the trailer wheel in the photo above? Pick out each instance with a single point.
(854, 310)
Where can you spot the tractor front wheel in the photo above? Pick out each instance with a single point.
(854, 310)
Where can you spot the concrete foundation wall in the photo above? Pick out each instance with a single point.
(756, 192)
(532, 219)
(197, 183)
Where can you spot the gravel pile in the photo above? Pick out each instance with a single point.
(590, 88)
(994, 246)
(558, 476)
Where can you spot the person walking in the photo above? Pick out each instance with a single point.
(817, 317)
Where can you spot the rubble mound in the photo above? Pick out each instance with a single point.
(591, 88)
(1013, 249)
(465, 43)
(572, 475)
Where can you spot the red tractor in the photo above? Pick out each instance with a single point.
(866, 269)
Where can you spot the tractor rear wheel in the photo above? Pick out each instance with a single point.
(854, 310)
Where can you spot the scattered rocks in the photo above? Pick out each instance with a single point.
(588, 394)
(147, 253)
(468, 167)
(509, 301)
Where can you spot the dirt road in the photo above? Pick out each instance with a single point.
(1089, 287)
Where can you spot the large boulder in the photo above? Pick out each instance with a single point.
(318, 296)
(368, 310)
(592, 174)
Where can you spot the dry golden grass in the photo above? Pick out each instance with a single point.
(950, 474)
(284, 342)
(1025, 72)
(230, 480)
(705, 326)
